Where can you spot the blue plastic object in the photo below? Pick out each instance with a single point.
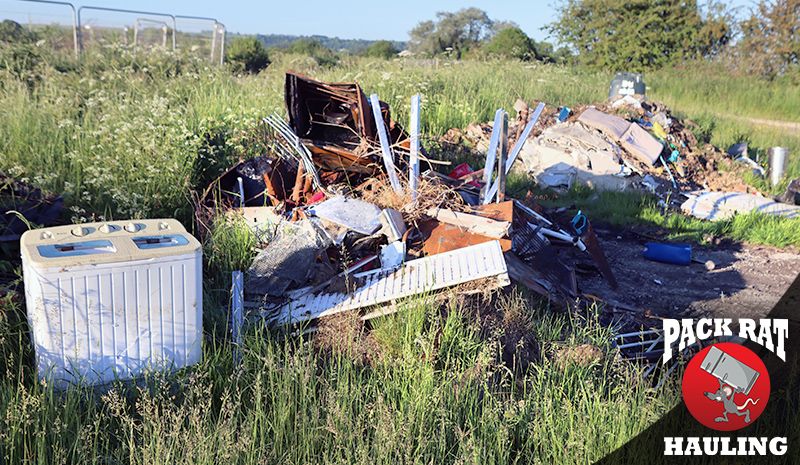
(674, 156)
(579, 222)
(564, 114)
(676, 254)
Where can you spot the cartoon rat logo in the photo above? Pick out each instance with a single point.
(726, 386)
(725, 395)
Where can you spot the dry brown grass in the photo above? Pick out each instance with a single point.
(344, 334)
(430, 194)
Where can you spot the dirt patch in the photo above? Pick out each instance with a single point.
(746, 283)
(787, 125)
(713, 170)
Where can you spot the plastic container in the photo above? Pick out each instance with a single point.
(778, 162)
(627, 84)
(675, 254)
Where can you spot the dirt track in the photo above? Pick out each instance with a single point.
(747, 281)
(787, 125)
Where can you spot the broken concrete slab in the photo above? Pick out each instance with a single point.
(641, 144)
(610, 125)
(569, 153)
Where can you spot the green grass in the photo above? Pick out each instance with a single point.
(130, 137)
(435, 394)
(625, 209)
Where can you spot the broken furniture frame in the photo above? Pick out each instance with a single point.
(647, 346)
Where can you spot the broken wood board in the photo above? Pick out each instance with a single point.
(472, 223)
(414, 277)
(502, 211)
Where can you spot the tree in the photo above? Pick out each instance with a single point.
(638, 34)
(770, 44)
(381, 49)
(511, 42)
(314, 48)
(247, 54)
(452, 31)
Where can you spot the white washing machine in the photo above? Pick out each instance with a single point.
(112, 300)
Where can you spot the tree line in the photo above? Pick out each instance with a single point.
(635, 35)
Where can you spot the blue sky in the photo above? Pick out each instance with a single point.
(351, 19)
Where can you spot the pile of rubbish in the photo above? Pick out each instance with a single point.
(350, 213)
(633, 144)
(347, 220)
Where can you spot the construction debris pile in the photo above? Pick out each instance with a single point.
(633, 144)
(347, 221)
(350, 214)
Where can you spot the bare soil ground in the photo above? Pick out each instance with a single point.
(746, 283)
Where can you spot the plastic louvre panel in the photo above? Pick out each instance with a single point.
(414, 277)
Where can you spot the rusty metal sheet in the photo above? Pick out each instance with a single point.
(442, 237)
(503, 211)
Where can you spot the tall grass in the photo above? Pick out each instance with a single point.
(124, 138)
(435, 393)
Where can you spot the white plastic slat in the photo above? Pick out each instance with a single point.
(413, 165)
(491, 153)
(414, 277)
(386, 150)
(515, 151)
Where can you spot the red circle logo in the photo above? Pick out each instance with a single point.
(726, 386)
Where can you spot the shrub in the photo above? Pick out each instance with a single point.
(511, 42)
(13, 32)
(381, 49)
(247, 54)
(314, 48)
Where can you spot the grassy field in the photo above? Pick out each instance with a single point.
(459, 381)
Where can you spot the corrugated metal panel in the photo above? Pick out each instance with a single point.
(414, 277)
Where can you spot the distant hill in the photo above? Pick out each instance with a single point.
(334, 43)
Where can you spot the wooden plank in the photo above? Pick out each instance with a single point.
(471, 223)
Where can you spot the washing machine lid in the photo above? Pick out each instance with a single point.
(106, 242)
